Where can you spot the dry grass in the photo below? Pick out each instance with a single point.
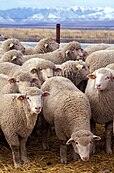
(49, 161)
(28, 34)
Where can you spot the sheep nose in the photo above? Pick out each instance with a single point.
(38, 109)
(85, 158)
(98, 85)
(49, 76)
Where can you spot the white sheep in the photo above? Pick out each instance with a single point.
(111, 66)
(18, 119)
(11, 69)
(8, 67)
(76, 71)
(68, 109)
(46, 67)
(100, 92)
(17, 83)
(110, 48)
(72, 51)
(13, 56)
(12, 43)
(30, 76)
(99, 59)
(43, 46)
(96, 47)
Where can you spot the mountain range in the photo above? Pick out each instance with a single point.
(57, 15)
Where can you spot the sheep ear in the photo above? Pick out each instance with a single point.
(91, 76)
(69, 141)
(46, 45)
(11, 45)
(14, 57)
(45, 94)
(21, 97)
(12, 80)
(34, 70)
(67, 52)
(96, 138)
(79, 66)
(57, 69)
(34, 80)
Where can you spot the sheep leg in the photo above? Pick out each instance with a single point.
(108, 134)
(23, 150)
(75, 156)
(93, 129)
(44, 134)
(13, 141)
(63, 152)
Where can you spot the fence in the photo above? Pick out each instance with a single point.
(59, 34)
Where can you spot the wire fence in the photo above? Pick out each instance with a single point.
(66, 35)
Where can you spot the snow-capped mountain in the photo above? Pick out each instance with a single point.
(49, 15)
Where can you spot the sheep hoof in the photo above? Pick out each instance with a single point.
(25, 160)
(63, 161)
(17, 165)
(109, 151)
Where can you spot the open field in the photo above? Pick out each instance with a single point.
(84, 36)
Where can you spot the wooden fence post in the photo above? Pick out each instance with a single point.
(58, 33)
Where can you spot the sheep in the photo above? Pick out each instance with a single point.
(11, 70)
(47, 67)
(100, 91)
(110, 48)
(111, 66)
(99, 59)
(8, 67)
(68, 109)
(72, 51)
(18, 119)
(43, 46)
(17, 83)
(32, 77)
(12, 43)
(76, 71)
(13, 56)
(96, 47)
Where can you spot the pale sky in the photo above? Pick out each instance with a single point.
(8, 4)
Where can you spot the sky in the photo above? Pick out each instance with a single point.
(5, 4)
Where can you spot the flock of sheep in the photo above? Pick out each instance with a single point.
(69, 88)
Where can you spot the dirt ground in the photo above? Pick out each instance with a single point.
(49, 161)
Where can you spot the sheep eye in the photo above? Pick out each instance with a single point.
(107, 77)
(76, 143)
(17, 81)
(28, 98)
(83, 67)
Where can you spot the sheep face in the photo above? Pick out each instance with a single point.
(73, 54)
(11, 44)
(83, 143)
(83, 69)
(16, 45)
(51, 46)
(16, 60)
(103, 78)
(47, 73)
(23, 84)
(34, 101)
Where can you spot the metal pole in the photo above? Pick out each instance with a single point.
(58, 33)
